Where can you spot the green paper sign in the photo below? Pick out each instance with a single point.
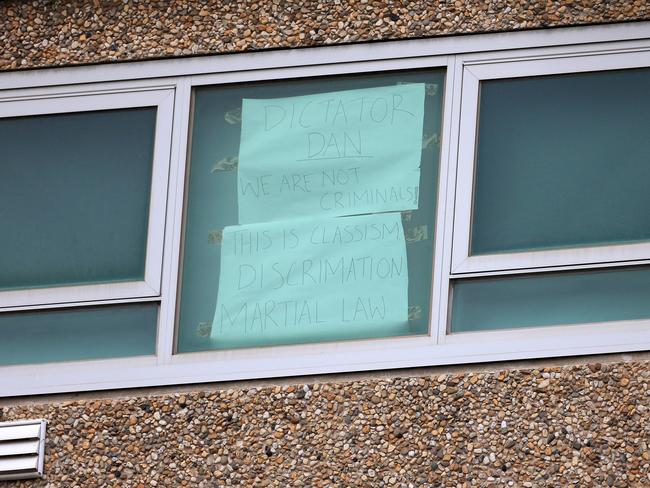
(312, 279)
(331, 154)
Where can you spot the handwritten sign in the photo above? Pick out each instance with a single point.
(312, 279)
(331, 154)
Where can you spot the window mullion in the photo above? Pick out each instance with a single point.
(174, 220)
(445, 212)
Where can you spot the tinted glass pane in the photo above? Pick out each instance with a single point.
(562, 161)
(78, 333)
(551, 299)
(213, 203)
(74, 197)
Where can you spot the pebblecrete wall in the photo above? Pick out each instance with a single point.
(58, 32)
(584, 424)
(579, 425)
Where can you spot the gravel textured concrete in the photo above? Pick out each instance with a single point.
(580, 425)
(58, 32)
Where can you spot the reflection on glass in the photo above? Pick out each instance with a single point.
(74, 197)
(72, 334)
(550, 299)
(562, 161)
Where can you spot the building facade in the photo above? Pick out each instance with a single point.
(453, 293)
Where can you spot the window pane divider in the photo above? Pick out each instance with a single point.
(560, 258)
(445, 205)
(67, 296)
(80, 303)
(174, 222)
(547, 269)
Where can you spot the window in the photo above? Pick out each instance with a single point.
(555, 178)
(82, 184)
(321, 210)
(310, 210)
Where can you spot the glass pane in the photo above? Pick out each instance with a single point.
(78, 333)
(562, 161)
(550, 299)
(74, 197)
(227, 145)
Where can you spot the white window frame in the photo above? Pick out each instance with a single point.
(457, 54)
(476, 70)
(56, 101)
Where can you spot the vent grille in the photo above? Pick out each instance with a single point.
(22, 448)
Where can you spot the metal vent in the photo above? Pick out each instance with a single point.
(22, 448)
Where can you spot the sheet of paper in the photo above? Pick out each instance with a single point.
(312, 279)
(331, 154)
